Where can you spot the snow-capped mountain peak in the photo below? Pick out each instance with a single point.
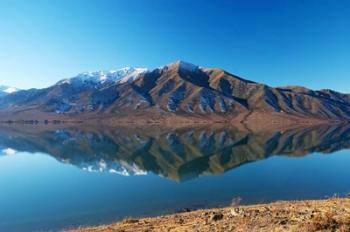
(4, 90)
(187, 66)
(10, 90)
(120, 75)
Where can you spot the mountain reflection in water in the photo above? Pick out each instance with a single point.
(177, 154)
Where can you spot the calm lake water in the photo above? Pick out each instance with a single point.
(55, 178)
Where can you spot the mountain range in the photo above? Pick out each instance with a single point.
(177, 92)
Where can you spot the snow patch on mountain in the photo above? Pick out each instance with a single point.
(123, 75)
(4, 90)
(127, 74)
(186, 66)
(10, 90)
(183, 65)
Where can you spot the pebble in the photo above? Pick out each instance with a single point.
(236, 212)
(217, 217)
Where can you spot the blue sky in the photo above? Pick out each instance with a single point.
(278, 42)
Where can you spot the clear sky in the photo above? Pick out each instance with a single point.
(279, 42)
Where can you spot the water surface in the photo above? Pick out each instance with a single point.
(54, 178)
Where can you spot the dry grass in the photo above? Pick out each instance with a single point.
(297, 216)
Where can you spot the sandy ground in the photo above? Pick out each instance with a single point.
(320, 215)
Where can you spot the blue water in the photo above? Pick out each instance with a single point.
(41, 192)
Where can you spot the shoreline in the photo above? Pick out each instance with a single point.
(306, 215)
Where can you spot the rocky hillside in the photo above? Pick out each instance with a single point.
(178, 90)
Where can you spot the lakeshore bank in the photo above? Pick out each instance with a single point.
(309, 215)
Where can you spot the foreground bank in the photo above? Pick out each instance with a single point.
(319, 215)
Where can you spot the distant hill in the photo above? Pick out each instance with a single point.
(178, 92)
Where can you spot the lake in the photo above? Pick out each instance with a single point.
(56, 177)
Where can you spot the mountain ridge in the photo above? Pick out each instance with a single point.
(177, 92)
